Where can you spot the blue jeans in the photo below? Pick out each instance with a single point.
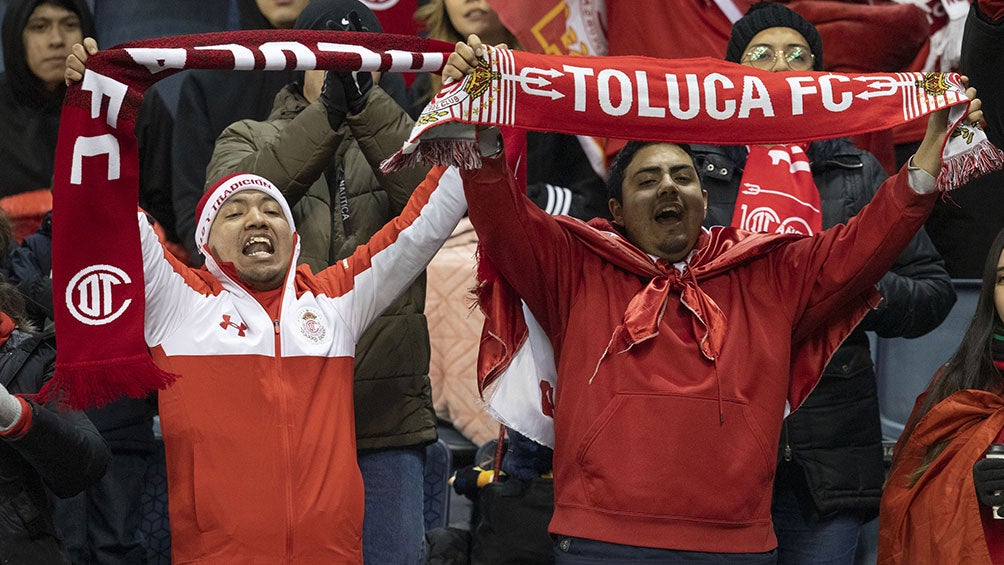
(803, 540)
(394, 525)
(580, 551)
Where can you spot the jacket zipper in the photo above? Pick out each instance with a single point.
(286, 452)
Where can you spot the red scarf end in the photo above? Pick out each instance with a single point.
(980, 160)
(93, 385)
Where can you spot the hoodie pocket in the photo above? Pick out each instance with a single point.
(670, 456)
(206, 503)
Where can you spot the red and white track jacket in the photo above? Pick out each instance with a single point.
(259, 428)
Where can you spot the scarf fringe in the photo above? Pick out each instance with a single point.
(462, 153)
(958, 170)
(93, 385)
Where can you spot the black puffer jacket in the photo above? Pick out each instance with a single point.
(61, 451)
(835, 437)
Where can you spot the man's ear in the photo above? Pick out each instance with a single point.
(616, 212)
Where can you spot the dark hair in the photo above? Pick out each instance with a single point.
(766, 15)
(971, 366)
(6, 238)
(615, 177)
(12, 303)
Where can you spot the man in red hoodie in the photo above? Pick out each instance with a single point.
(678, 349)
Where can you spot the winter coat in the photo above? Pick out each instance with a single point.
(61, 452)
(937, 518)
(656, 444)
(840, 451)
(339, 203)
(258, 428)
(29, 114)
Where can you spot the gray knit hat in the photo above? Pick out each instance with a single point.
(767, 15)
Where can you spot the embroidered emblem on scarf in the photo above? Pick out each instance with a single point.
(777, 193)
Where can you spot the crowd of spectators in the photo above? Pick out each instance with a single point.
(318, 137)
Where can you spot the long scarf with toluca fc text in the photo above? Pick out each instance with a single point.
(97, 264)
(703, 101)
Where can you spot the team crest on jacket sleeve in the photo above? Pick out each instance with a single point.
(312, 325)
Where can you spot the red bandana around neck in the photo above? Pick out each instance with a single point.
(97, 262)
(777, 193)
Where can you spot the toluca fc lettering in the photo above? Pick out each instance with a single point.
(91, 294)
(687, 96)
(102, 89)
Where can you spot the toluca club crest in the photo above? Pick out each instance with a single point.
(311, 324)
(933, 84)
(480, 79)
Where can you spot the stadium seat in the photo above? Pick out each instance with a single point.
(438, 468)
(904, 367)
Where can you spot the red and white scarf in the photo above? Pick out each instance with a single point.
(686, 101)
(777, 193)
(97, 262)
(98, 269)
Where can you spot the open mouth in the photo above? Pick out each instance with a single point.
(670, 215)
(258, 246)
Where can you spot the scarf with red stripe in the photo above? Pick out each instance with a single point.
(704, 101)
(777, 192)
(97, 264)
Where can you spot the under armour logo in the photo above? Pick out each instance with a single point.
(226, 323)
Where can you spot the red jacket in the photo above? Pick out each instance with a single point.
(937, 520)
(657, 445)
(259, 430)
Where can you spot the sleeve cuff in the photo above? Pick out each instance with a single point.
(921, 181)
(23, 423)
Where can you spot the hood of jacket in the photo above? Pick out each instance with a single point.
(26, 86)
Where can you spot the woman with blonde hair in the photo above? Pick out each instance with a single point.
(456, 20)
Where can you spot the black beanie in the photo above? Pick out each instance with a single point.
(318, 13)
(767, 15)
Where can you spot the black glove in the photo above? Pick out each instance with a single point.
(357, 89)
(347, 92)
(333, 99)
(988, 476)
